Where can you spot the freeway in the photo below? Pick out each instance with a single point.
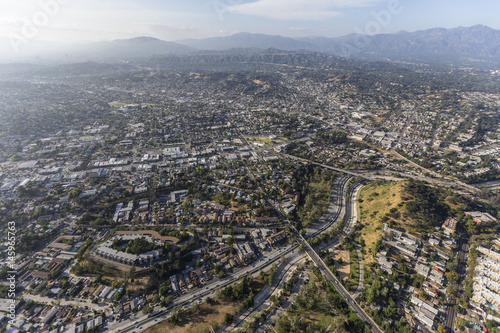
(452, 181)
(350, 220)
(370, 174)
(343, 213)
(415, 165)
(355, 174)
(336, 213)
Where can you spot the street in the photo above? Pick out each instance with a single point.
(462, 264)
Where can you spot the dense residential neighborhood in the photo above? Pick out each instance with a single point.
(305, 191)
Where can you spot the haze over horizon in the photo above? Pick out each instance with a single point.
(72, 21)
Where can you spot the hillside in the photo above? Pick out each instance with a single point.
(407, 205)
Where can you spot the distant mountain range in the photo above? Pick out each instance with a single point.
(120, 49)
(247, 40)
(135, 48)
(476, 43)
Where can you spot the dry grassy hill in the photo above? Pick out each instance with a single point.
(405, 205)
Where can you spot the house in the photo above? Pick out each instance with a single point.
(408, 250)
(436, 275)
(143, 206)
(177, 195)
(432, 292)
(422, 270)
(277, 237)
(40, 275)
(426, 313)
(140, 189)
(265, 219)
(255, 233)
(97, 173)
(450, 225)
(434, 241)
(27, 165)
(6, 305)
(174, 283)
(244, 250)
(50, 315)
(221, 251)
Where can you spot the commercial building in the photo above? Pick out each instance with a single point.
(482, 219)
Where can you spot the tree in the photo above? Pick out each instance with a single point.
(147, 309)
(175, 314)
(228, 319)
(74, 193)
(195, 308)
(471, 225)
(452, 277)
(131, 273)
(441, 329)
(451, 266)
(167, 300)
(21, 191)
(451, 289)
(388, 310)
(164, 290)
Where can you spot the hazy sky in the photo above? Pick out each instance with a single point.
(86, 20)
